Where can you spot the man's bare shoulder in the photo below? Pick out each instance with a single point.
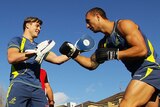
(126, 26)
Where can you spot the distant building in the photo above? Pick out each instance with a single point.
(112, 101)
(69, 104)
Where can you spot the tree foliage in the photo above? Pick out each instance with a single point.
(2, 96)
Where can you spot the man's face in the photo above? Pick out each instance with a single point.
(34, 29)
(92, 22)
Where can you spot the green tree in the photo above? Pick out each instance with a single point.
(2, 96)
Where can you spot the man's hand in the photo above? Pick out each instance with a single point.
(69, 50)
(51, 103)
(104, 54)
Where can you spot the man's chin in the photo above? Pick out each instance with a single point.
(95, 31)
(35, 36)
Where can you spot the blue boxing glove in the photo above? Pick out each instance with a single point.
(104, 54)
(69, 50)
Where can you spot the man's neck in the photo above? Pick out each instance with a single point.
(108, 28)
(28, 36)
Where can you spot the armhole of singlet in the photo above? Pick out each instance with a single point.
(116, 29)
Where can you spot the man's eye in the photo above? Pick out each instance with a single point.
(38, 26)
(87, 21)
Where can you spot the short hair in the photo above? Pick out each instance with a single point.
(30, 20)
(98, 10)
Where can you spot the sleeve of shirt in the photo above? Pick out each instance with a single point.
(14, 43)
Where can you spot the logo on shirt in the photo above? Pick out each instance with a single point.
(12, 101)
(137, 75)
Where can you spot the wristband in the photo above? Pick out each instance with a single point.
(76, 53)
(51, 101)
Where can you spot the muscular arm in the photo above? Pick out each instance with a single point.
(135, 40)
(53, 58)
(88, 63)
(49, 93)
(14, 56)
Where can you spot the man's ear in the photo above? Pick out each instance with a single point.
(27, 25)
(98, 17)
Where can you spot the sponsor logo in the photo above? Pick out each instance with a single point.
(137, 75)
(12, 101)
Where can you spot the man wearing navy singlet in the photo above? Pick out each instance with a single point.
(123, 40)
(25, 88)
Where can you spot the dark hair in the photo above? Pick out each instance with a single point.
(98, 10)
(30, 20)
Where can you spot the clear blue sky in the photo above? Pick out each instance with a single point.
(65, 20)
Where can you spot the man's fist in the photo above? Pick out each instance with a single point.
(103, 54)
(69, 50)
